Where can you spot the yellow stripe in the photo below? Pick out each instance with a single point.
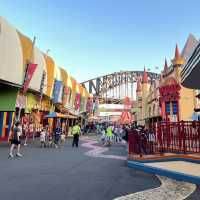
(26, 45)
(50, 67)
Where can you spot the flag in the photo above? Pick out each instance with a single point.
(28, 76)
(77, 101)
(42, 83)
(57, 92)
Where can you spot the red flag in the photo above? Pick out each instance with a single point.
(29, 74)
(77, 101)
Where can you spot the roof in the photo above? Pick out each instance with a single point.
(189, 47)
(139, 87)
(145, 77)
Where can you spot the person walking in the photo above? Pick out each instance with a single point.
(16, 141)
(57, 136)
(43, 138)
(109, 135)
(151, 140)
(76, 131)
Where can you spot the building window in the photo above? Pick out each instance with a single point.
(167, 106)
(174, 106)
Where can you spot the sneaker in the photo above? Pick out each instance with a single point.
(25, 144)
(10, 155)
(19, 155)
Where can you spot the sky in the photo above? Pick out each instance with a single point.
(90, 38)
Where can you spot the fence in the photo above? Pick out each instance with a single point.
(178, 137)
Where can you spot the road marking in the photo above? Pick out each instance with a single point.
(97, 151)
(170, 189)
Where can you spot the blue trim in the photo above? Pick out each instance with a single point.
(171, 174)
(168, 159)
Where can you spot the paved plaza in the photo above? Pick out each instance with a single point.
(73, 174)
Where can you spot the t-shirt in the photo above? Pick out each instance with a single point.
(42, 136)
(57, 133)
(16, 132)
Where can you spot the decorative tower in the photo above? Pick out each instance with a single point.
(178, 60)
(139, 87)
(145, 84)
(138, 110)
(145, 92)
(165, 66)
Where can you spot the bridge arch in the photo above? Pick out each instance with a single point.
(116, 85)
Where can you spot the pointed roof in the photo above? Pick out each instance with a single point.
(189, 47)
(178, 59)
(139, 87)
(165, 66)
(145, 76)
(177, 54)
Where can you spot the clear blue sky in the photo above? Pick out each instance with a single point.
(95, 37)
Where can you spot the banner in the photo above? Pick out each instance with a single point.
(77, 101)
(57, 92)
(42, 83)
(28, 76)
(66, 94)
(89, 106)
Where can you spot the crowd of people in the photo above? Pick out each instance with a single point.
(47, 136)
(113, 133)
(144, 139)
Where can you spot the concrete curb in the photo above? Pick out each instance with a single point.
(171, 174)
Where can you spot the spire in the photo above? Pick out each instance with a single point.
(177, 54)
(139, 88)
(178, 60)
(145, 77)
(165, 66)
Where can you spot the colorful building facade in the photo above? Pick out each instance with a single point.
(50, 88)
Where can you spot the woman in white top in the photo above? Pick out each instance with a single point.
(43, 137)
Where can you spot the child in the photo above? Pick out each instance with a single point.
(57, 134)
(43, 138)
(50, 139)
(62, 138)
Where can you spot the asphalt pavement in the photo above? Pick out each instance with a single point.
(68, 174)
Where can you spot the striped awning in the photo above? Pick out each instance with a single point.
(191, 70)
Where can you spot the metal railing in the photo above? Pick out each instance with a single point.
(176, 137)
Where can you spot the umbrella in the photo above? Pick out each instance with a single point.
(59, 115)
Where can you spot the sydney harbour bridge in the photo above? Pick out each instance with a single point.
(112, 88)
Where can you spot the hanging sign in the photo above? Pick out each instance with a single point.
(28, 76)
